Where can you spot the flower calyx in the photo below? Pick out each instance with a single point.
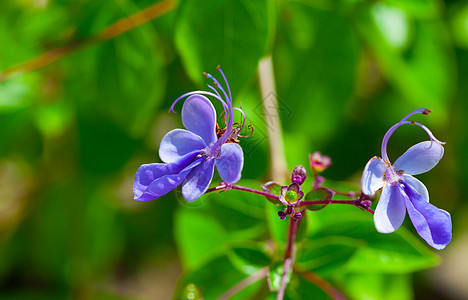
(291, 194)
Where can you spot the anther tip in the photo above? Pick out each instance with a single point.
(218, 67)
(204, 74)
(426, 111)
(413, 123)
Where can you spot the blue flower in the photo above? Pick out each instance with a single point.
(402, 192)
(190, 155)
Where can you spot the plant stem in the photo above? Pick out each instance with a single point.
(289, 256)
(355, 202)
(224, 186)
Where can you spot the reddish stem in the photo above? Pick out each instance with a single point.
(289, 256)
(356, 202)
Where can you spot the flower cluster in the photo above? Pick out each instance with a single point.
(292, 194)
(401, 192)
(191, 155)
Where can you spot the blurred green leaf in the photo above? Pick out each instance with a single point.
(198, 236)
(328, 254)
(215, 278)
(423, 72)
(458, 20)
(299, 288)
(397, 253)
(235, 35)
(275, 274)
(130, 80)
(424, 9)
(377, 286)
(309, 77)
(16, 93)
(278, 228)
(226, 219)
(54, 118)
(249, 259)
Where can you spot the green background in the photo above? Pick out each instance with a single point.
(73, 134)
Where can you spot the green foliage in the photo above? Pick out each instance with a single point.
(235, 33)
(226, 219)
(317, 195)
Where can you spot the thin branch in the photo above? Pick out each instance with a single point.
(289, 256)
(113, 30)
(262, 273)
(224, 186)
(356, 202)
(320, 282)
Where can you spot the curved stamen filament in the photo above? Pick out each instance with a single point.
(431, 135)
(225, 80)
(171, 109)
(244, 119)
(392, 129)
(218, 85)
(225, 107)
(250, 134)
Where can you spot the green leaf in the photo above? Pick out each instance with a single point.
(397, 253)
(130, 80)
(275, 274)
(278, 228)
(226, 219)
(310, 73)
(317, 195)
(377, 286)
(272, 188)
(215, 278)
(327, 254)
(249, 259)
(300, 288)
(236, 35)
(422, 66)
(198, 236)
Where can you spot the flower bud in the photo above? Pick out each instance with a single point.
(282, 215)
(319, 162)
(297, 216)
(299, 175)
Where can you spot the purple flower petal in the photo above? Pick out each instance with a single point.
(420, 158)
(417, 185)
(177, 143)
(230, 162)
(373, 176)
(154, 180)
(433, 225)
(391, 210)
(197, 182)
(199, 116)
